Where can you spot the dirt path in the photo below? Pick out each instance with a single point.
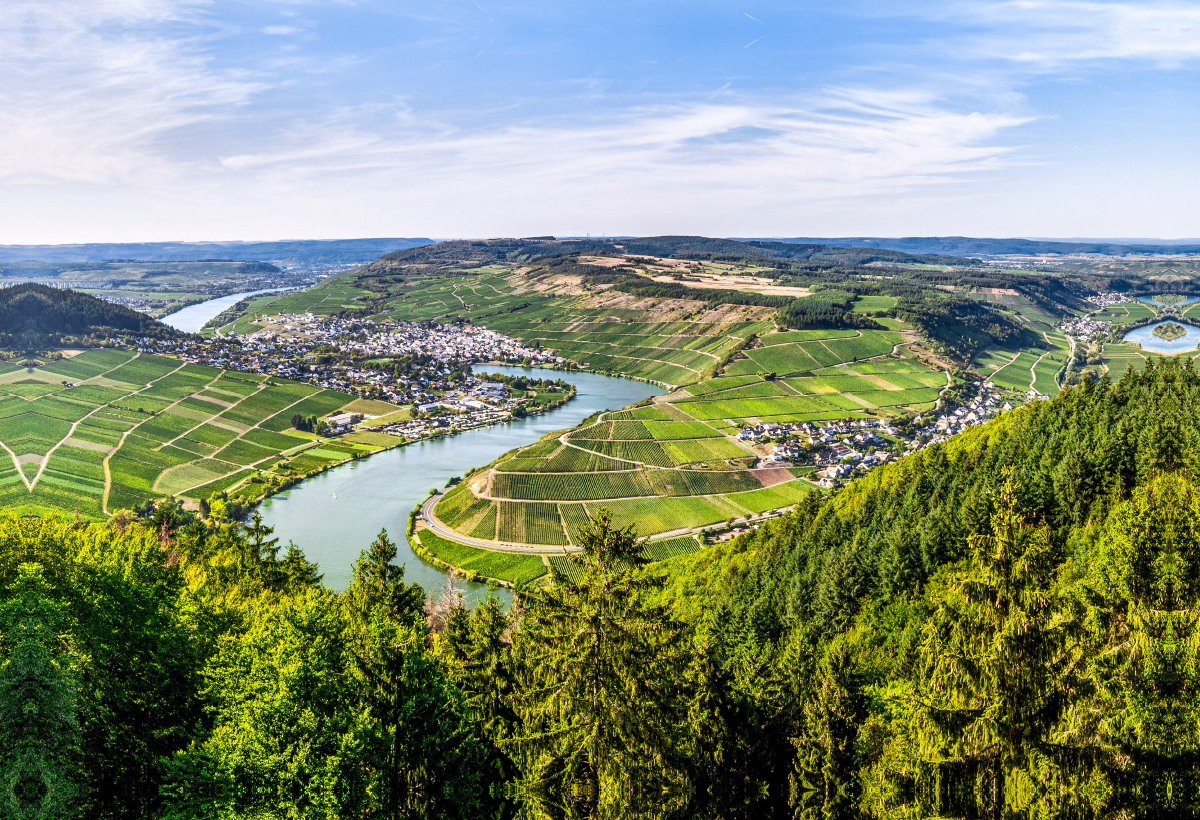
(1032, 373)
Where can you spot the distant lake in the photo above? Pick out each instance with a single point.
(1149, 342)
(193, 317)
(1150, 301)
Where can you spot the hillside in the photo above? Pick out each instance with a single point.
(107, 430)
(1003, 626)
(482, 252)
(31, 315)
(981, 626)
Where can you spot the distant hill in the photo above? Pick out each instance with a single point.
(290, 252)
(970, 246)
(487, 251)
(33, 315)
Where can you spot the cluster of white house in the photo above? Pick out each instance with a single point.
(462, 343)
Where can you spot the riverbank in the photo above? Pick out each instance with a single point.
(193, 317)
(333, 515)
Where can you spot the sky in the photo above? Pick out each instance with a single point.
(155, 120)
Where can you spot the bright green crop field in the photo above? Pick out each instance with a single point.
(676, 464)
(108, 429)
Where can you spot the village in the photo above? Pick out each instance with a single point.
(402, 362)
(844, 450)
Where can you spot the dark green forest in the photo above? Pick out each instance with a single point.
(1002, 626)
(34, 315)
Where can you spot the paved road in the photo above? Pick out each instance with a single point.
(441, 529)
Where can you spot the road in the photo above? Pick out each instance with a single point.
(431, 521)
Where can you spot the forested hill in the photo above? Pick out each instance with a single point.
(33, 315)
(489, 251)
(1001, 626)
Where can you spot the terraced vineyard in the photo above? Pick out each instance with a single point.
(108, 429)
(675, 464)
(654, 339)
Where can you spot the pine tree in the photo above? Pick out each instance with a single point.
(39, 733)
(599, 695)
(998, 660)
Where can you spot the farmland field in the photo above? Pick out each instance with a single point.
(506, 566)
(675, 463)
(108, 429)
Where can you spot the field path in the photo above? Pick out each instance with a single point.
(431, 521)
(71, 432)
(46, 458)
(104, 464)
(17, 462)
(1032, 374)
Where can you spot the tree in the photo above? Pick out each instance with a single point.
(599, 696)
(39, 731)
(998, 660)
(421, 756)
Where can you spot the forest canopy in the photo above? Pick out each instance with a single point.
(1003, 625)
(30, 314)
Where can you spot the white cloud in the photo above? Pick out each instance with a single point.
(1054, 32)
(93, 91)
(117, 113)
(852, 143)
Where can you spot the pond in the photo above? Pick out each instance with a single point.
(1145, 337)
(335, 515)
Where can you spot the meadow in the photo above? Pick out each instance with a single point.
(106, 430)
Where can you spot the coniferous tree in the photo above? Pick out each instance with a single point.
(39, 731)
(599, 693)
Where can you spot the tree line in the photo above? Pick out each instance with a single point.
(1002, 626)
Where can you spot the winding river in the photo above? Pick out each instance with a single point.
(193, 317)
(335, 515)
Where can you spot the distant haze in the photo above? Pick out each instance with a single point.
(294, 252)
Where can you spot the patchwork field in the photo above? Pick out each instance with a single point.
(675, 464)
(107, 429)
(660, 340)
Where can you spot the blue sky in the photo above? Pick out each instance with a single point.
(125, 120)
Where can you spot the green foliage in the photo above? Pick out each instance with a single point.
(32, 314)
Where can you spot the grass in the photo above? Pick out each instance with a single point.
(514, 568)
(143, 415)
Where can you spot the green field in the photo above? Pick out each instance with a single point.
(108, 429)
(676, 463)
(629, 337)
(505, 566)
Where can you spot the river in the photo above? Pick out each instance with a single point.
(338, 513)
(1155, 344)
(193, 317)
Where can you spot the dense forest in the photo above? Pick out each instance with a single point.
(489, 251)
(1000, 626)
(32, 316)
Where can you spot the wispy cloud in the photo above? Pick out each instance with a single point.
(701, 157)
(96, 91)
(1054, 32)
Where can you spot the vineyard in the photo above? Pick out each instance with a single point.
(107, 429)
